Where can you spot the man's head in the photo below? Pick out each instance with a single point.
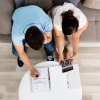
(34, 38)
(70, 23)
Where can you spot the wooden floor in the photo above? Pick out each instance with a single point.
(11, 75)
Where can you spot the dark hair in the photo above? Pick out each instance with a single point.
(70, 23)
(34, 38)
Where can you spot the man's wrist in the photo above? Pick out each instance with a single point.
(32, 69)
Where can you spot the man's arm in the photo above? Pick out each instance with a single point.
(25, 59)
(59, 39)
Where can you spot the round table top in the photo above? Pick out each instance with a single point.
(25, 87)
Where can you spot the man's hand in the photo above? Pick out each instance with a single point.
(73, 57)
(47, 37)
(35, 74)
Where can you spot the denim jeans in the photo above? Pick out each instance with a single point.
(14, 50)
(49, 48)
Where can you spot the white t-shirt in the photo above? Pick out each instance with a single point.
(57, 19)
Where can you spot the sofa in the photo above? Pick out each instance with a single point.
(90, 37)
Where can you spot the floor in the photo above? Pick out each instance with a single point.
(11, 75)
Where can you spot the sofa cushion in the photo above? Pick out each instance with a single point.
(92, 33)
(91, 14)
(95, 4)
(6, 10)
(97, 25)
(89, 35)
(19, 3)
(5, 38)
(45, 4)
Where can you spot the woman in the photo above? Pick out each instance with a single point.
(69, 23)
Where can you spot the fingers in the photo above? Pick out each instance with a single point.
(60, 61)
(72, 59)
(35, 75)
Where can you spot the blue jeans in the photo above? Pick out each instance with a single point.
(49, 48)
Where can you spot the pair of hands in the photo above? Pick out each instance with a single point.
(61, 58)
(35, 74)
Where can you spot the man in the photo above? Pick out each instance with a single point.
(33, 26)
(69, 23)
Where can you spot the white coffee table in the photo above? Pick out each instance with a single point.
(73, 93)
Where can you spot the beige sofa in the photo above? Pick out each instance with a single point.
(90, 37)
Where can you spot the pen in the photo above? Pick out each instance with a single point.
(34, 75)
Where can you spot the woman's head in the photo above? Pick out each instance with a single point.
(34, 38)
(70, 23)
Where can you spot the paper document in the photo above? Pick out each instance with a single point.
(58, 79)
(51, 79)
(74, 78)
(41, 84)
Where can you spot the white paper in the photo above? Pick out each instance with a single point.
(74, 78)
(41, 87)
(42, 83)
(57, 82)
(58, 79)
(55, 70)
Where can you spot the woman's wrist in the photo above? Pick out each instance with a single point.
(75, 53)
(61, 55)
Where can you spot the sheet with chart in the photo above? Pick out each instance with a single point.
(42, 84)
(51, 79)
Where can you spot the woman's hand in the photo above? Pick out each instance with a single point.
(60, 59)
(73, 57)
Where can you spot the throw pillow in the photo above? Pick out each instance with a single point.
(95, 4)
(44, 4)
(19, 3)
(58, 2)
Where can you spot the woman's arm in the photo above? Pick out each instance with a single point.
(59, 39)
(76, 38)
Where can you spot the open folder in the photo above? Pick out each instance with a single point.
(51, 79)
